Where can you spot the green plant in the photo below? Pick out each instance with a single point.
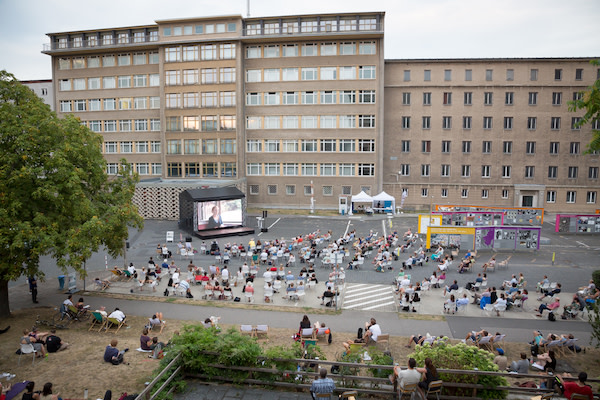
(463, 357)
(380, 358)
(596, 278)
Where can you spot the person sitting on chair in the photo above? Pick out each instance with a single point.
(406, 377)
(372, 331)
(323, 385)
(157, 320)
(569, 387)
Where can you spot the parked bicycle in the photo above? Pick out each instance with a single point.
(66, 315)
(51, 324)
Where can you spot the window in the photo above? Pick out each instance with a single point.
(66, 106)
(172, 54)
(153, 79)
(485, 171)
(347, 121)
(347, 73)
(468, 98)
(406, 98)
(125, 103)
(405, 122)
(427, 75)
(407, 75)
(140, 81)
(329, 49)
(155, 125)
(309, 145)
(578, 77)
(94, 83)
(253, 75)
(487, 122)
(290, 74)
(447, 74)
(173, 100)
(573, 171)
(446, 146)
(95, 104)
(489, 73)
(290, 97)
(347, 48)
(506, 170)
(124, 81)
(208, 76)
(425, 169)
(509, 98)
(427, 98)
(141, 147)
(558, 74)
(209, 146)
(366, 145)
(227, 99)
(465, 171)
(530, 148)
(308, 190)
(533, 75)
(425, 146)
(533, 98)
(141, 125)
(329, 73)
(593, 173)
(485, 193)
(110, 104)
(367, 48)
(575, 121)
(348, 97)
(529, 171)
(309, 74)
(227, 51)
(79, 62)
(504, 193)
(125, 125)
(574, 148)
(309, 122)
(346, 190)
(405, 146)
(254, 189)
(468, 75)
(271, 75)
(551, 196)
(486, 147)
(510, 74)
(556, 98)
(272, 122)
(426, 122)
(154, 102)
(208, 52)
(173, 77)
(122, 60)
(445, 170)
(508, 123)
(591, 198)
(290, 190)
(404, 170)
(507, 147)
(347, 145)
(366, 96)
(309, 49)
(366, 121)
(79, 84)
(272, 169)
(290, 169)
(65, 84)
(552, 172)
(208, 122)
(424, 192)
(444, 192)
(571, 196)
(253, 52)
(464, 193)
(110, 147)
(488, 98)
(466, 146)
(366, 72)
(446, 122)
(328, 97)
(112, 168)
(531, 123)
(447, 98)
(555, 123)
(328, 169)
(174, 146)
(153, 57)
(309, 169)
(191, 123)
(328, 145)
(554, 147)
(227, 75)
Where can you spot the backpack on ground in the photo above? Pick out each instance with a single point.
(166, 293)
(359, 334)
(551, 316)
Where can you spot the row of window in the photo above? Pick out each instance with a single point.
(486, 148)
(124, 125)
(202, 122)
(110, 82)
(205, 169)
(571, 195)
(506, 171)
(488, 98)
(208, 76)
(141, 147)
(344, 72)
(311, 49)
(311, 25)
(107, 39)
(204, 52)
(203, 99)
(489, 74)
(311, 97)
(310, 122)
(140, 168)
(108, 60)
(487, 121)
(206, 146)
(199, 29)
(110, 104)
(290, 190)
(310, 145)
(310, 169)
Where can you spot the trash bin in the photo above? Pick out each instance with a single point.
(61, 282)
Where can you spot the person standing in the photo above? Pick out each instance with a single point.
(33, 288)
(323, 385)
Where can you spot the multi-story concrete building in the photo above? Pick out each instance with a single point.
(44, 89)
(298, 107)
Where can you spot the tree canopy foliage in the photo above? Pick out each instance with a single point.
(590, 102)
(55, 196)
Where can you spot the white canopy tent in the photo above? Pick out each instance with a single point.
(387, 201)
(362, 197)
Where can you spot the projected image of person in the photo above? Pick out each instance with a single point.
(215, 220)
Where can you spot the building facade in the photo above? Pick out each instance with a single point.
(296, 109)
(44, 89)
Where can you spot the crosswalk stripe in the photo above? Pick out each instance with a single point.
(369, 297)
(379, 305)
(362, 304)
(370, 291)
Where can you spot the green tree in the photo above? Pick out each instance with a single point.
(590, 102)
(55, 196)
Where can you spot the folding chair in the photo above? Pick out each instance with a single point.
(485, 342)
(384, 340)
(407, 390)
(247, 330)
(349, 395)
(114, 322)
(307, 333)
(262, 330)
(577, 396)
(97, 319)
(435, 387)
(321, 333)
(27, 348)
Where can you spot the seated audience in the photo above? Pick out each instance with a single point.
(157, 320)
(405, 377)
(37, 346)
(323, 385)
(569, 387)
(145, 340)
(500, 360)
(54, 343)
(429, 375)
(521, 366)
(118, 314)
(112, 354)
(372, 331)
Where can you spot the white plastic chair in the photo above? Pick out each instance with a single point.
(27, 348)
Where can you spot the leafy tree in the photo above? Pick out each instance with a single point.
(590, 102)
(55, 196)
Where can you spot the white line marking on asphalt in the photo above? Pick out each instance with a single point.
(276, 221)
(383, 290)
(362, 304)
(583, 244)
(347, 227)
(379, 305)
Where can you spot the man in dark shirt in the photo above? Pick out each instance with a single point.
(328, 294)
(54, 343)
(112, 354)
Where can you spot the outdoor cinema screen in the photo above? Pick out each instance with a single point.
(219, 214)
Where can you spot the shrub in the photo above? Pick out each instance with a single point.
(380, 358)
(596, 278)
(463, 357)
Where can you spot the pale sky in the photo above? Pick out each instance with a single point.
(413, 28)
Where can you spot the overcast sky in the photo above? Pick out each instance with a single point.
(413, 28)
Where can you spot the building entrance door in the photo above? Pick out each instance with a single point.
(527, 201)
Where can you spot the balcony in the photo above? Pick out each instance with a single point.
(78, 43)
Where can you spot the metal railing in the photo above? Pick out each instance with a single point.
(98, 42)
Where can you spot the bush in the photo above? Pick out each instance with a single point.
(596, 278)
(380, 358)
(463, 357)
